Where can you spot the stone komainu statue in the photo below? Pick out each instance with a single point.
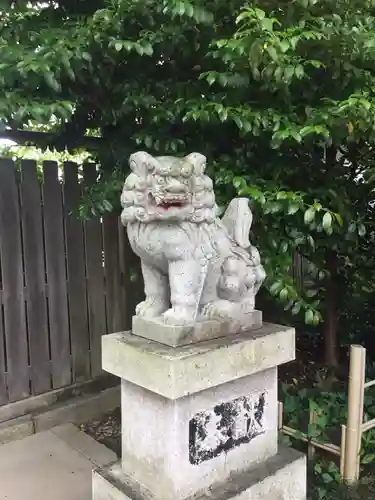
(195, 265)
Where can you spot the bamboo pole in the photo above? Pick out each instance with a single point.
(353, 425)
(342, 450)
(370, 424)
(362, 389)
(310, 446)
(280, 409)
(369, 384)
(331, 448)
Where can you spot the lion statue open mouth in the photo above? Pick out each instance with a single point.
(195, 265)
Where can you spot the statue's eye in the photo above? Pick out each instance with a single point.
(186, 171)
(160, 180)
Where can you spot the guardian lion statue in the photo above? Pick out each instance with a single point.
(195, 265)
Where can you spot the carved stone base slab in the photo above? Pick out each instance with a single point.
(177, 336)
(280, 477)
(174, 372)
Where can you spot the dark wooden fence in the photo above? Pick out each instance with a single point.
(64, 282)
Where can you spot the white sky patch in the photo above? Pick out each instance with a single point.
(5, 143)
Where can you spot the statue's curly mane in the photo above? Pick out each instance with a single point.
(141, 182)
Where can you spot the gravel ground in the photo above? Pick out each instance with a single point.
(107, 430)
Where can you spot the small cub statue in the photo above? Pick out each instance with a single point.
(195, 265)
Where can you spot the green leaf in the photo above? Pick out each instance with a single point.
(318, 468)
(284, 247)
(148, 142)
(361, 229)
(292, 209)
(327, 221)
(284, 45)
(313, 431)
(339, 219)
(278, 73)
(51, 81)
(276, 287)
(289, 73)
(107, 205)
(327, 478)
(260, 13)
(148, 50)
(211, 79)
(267, 24)
(368, 458)
(284, 294)
(299, 71)
(309, 317)
(296, 309)
(309, 215)
(86, 56)
(273, 53)
(316, 319)
(239, 182)
(138, 47)
(118, 46)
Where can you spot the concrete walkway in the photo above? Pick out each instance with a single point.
(52, 465)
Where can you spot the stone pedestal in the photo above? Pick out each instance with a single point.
(200, 421)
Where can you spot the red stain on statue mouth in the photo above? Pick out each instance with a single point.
(168, 205)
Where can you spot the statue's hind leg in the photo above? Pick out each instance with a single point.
(230, 286)
(236, 291)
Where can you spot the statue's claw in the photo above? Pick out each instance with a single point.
(179, 316)
(150, 308)
(219, 309)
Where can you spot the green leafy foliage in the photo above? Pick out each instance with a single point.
(327, 398)
(279, 96)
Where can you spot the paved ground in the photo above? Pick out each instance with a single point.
(52, 465)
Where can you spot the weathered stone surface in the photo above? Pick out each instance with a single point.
(282, 477)
(177, 372)
(194, 264)
(17, 428)
(200, 421)
(180, 335)
(177, 447)
(52, 465)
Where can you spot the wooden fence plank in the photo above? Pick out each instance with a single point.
(56, 276)
(114, 296)
(127, 291)
(133, 281)
(79, 331)
(3, 387)
(95, 281)
(36, 303)
(13, 283)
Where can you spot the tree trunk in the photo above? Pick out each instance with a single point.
(330, 329)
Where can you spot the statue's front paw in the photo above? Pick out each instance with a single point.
(179, 316)
(151, 308)
(220, 309)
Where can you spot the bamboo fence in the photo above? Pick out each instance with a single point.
(351, 432)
